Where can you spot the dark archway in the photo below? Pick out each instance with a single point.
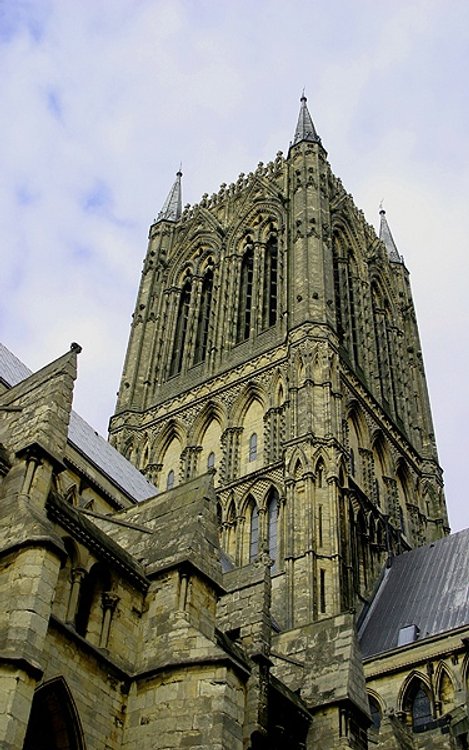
(53, 722)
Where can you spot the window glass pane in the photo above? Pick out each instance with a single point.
(252, 447)
(254, 534)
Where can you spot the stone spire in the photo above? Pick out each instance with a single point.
(172, 207)
(305, 130)
(387, 238)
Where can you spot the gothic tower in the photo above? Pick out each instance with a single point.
(274, 343)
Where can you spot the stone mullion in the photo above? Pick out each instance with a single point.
(222, 308)
(240, 534)
(77, 576)
(109, 602)
(331, 543)
(310, 546)
(259, 249)
(214, 317)
(255, 326)
(263, 530)
(280, 533)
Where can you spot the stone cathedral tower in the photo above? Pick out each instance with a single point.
(274, 342)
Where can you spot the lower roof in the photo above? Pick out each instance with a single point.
(427, 587)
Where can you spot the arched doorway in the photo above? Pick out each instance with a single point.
(53, 722)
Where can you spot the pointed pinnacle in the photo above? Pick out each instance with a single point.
(172, 207)
(387, 238)
(305, 130)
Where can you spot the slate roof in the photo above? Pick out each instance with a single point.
(427, 587)
(83, 437)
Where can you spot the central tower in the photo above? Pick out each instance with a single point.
(274, 343)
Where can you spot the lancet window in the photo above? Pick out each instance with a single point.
(252, 455)
(254, 532)
(384, 349)
(245, 307)
(270, 296)
(418, 705)
(201, 339)
(272, 526)
(181, 329)
(346, 300)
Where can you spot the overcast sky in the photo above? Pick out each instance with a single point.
(100, 100)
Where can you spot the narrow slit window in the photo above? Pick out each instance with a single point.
(201, 339)
(181, 330)
(252, 453)
(245, 295)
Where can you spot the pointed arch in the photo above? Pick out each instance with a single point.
(252, 518)
(376, 711)
(404, 492)
(297, 463)
(320, 472)
(168, 448)
(444, 689)
(54, 723)
(416, 702)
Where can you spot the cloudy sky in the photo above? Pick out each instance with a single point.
(100, 100)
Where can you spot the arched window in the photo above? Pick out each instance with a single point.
(382, 324)
(245, 295)
(270, 297)
(418, 705)
(375, 712)
(201, 339)
(211, 460)
(252, 447)
(254, 533)
(346, 301)
(181, 329)
(272, 526)
(170, 480)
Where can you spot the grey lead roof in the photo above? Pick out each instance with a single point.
(386, 237)
(305, 130)
(83, 437)
(427, 587)
(172, 207)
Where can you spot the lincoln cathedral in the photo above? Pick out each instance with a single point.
(259, 558)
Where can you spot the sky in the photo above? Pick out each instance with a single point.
(101, 100)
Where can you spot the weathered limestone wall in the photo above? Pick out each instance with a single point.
(197, 706)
